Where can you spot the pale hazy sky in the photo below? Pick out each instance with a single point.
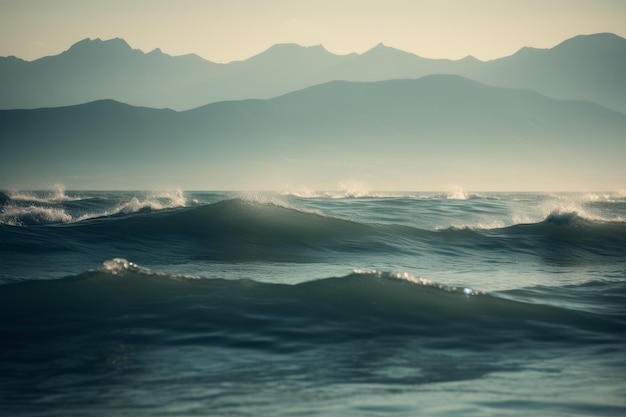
(226, 30)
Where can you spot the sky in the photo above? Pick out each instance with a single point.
(227, 30)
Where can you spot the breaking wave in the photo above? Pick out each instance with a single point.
(270, 230)
(31, 209)
(55, 195)
(33, 215)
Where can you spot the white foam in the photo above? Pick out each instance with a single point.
(494, 224)
(615, 197)
(303, 193)
(354, 190)
(347, 190)
(20, 215)
(29, 215)
(405, 276)
(154, 202)
(120, 266)
(259, 197)
(457, 193)
(565, 207)
(274, 199)
(56, 194)
(594, 197)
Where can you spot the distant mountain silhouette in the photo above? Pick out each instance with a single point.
(591, 67)
(94, 69)
(448, 119)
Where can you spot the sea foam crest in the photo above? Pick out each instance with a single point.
(56, 194)
(117, 266)
(566, 210)
(156, 201)
(151, 202)
(347, 190)
(26, 209)
(405, 276)
(484, 225)
(33, 215)
(457, 193)
(353, 189)
(607, 197)
(121, 266)
(273, 199)
(561, 211)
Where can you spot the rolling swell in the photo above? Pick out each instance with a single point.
(567, 236)
(243, 230)
(229, 230)
(124, 328)
(562, 238)
(273, 314)
(371, 305)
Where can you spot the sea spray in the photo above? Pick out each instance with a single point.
(40, 208)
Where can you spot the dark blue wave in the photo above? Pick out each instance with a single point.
(237, 229)
(101, 336)
(93, 330)
(564, 237)
(364, 305)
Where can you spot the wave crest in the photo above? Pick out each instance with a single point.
(121, 267)
(372, 304)
(405, 276)
(55, 195)
(152, 202)
(564, 218)
(31, 209)
(33, 215)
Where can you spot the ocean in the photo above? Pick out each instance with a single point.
(346, 303)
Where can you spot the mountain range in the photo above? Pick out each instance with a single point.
(586, 67)
(397, 129)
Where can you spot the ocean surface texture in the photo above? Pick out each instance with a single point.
(312, 304)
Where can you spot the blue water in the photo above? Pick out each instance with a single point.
(319, 304)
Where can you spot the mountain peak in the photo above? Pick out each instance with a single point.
(291, 47)
(469, 58)
(91, 44)
(380, 51)
(289, 51)
(379, 47)
(593, 41)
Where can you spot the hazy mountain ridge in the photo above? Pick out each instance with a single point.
(312, 132)
(94, 70)
(591, 67)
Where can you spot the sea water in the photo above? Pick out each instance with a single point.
(317, 304)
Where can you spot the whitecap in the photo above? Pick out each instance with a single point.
(33, 215)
